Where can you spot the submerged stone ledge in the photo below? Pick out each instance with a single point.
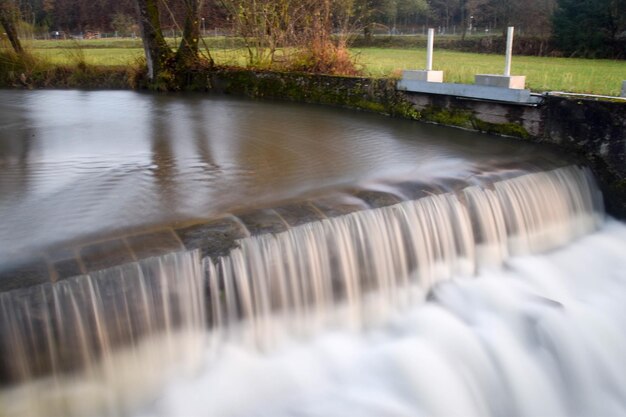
(217, 237)
(213, 237)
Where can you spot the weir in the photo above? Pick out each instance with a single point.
(362, 266)
(349, 271)
(308, 269)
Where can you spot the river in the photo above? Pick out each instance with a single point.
(80, 166)
(497, 289)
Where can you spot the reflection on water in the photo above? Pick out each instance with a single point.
(80, 164)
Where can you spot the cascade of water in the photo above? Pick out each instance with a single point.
(307, 269)
(544, 336)
(105, 335)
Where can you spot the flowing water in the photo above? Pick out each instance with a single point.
(499, 291)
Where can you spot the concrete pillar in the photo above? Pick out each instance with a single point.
(509, 51)
(428, 74)
(507, 80)
(624, 88)
(429, 49)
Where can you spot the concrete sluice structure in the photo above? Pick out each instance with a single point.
(350, 258)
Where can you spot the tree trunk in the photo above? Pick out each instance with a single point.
(367, 34)
(187, 52)
(7, 19)
(464, 24)
(156, 49)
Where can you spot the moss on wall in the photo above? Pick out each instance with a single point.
(468, 120)
(374, 95)
(448, 116)
(515, 130)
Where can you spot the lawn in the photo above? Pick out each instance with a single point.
(542, 73)
(594, 76)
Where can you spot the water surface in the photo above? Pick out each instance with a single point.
(78, 165)
(503, 296)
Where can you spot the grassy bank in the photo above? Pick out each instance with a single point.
(32, 71)
(542, 73)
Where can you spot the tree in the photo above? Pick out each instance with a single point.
(393, 12)
(531, 17)
(403, 11)
(9, 15)
(157, 53)
(123, 24)
(591, 28)
(538, 17)
(265, 26)
(444, 11)
(412, 10)
(187, 53)
(166, 69)
(311, 34)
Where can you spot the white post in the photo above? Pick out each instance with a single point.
(426, 75)
(429, 49)
(509, 51)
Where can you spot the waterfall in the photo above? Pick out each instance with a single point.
(105, 342)
(100, 340)
(307, 270)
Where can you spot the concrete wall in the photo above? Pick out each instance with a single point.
(595, 129)
(589, 127)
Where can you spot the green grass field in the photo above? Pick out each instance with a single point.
(542, 74)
